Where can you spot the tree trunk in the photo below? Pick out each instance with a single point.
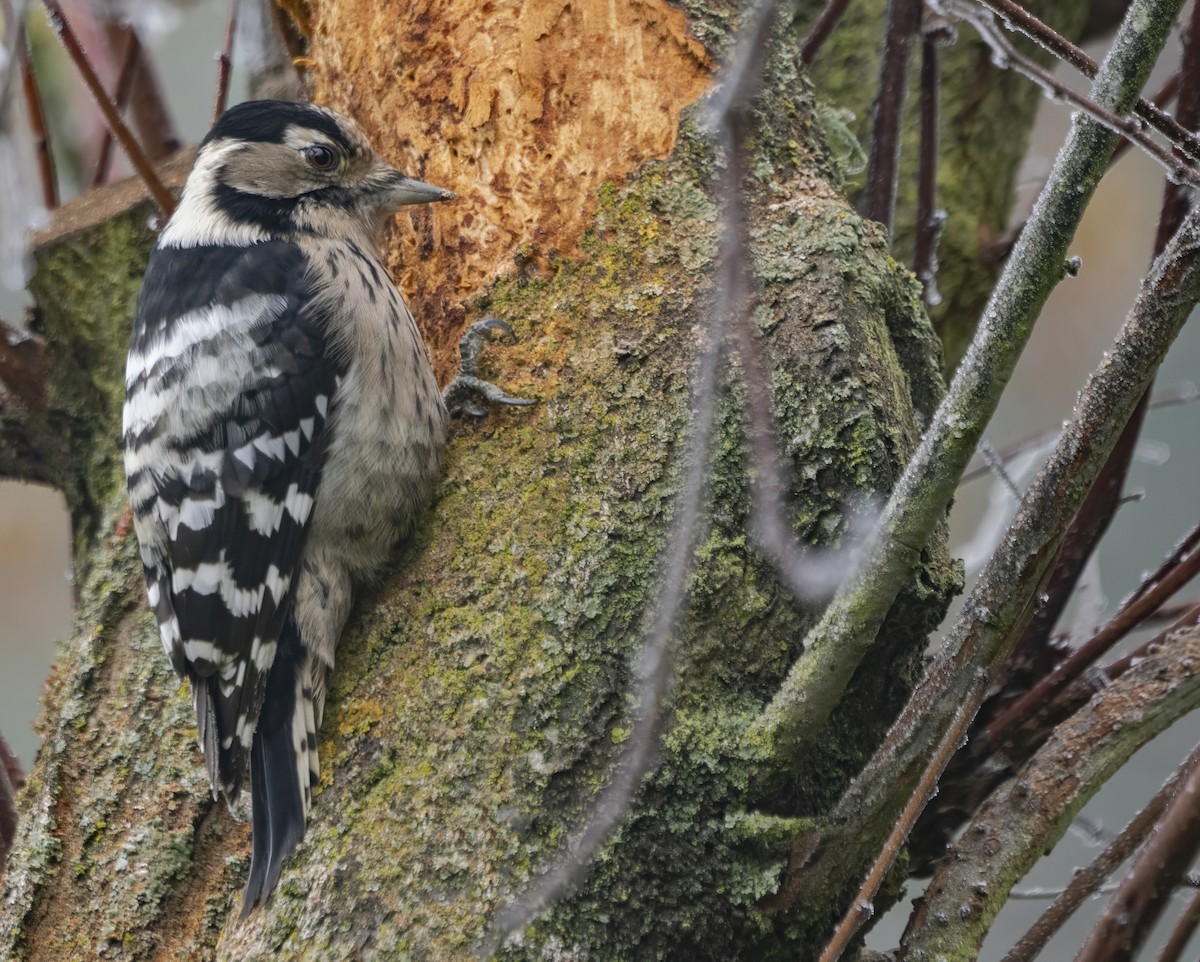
(481, 690)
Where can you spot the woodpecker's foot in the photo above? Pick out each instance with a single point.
(459, 392)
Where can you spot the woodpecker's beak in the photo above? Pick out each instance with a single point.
(400, 191)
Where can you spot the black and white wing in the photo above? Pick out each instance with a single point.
(229, 384)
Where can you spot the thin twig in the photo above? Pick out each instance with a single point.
(1184, 564)
(992, 617)
(1031, 731)
(1186, 392)
(1181, 934)
(1157, 869)
(929, 219)
(37, 121)
(147, 105)
(1132, 129)
(112, 118)
(1164, 95)
(883, 164)
(225, 62)
(826, 21)
(125, 77)
(1060, 46)
(924, 790)
(1088, 880)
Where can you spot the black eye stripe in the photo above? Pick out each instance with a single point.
(321, 157)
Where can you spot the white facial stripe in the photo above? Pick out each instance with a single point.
(197, 222)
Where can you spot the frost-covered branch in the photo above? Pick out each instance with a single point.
(846, 631)
(1032, 810)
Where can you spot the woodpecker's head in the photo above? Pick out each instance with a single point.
(272, 169)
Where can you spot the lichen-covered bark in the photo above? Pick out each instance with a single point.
(481, 687)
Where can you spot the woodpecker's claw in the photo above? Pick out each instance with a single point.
(466, 384)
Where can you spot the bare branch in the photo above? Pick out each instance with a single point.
(826, 21)
(926, 788)
(1089, 880)
(1150, 111)
(883, 164)
(1176, 571)
(1185, 928)
(147, 104)
(1165, 94)
(1186, 392)
(1105, 497)
(133, 151)
(1030, 811)
(37, 121)
(1004, 595)
(1132, 129)
(1157, 869)
(125, 77)
(225, 62)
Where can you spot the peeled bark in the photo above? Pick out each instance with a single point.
(481, 690)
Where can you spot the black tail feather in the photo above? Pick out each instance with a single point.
(278, 798)
(278, 814)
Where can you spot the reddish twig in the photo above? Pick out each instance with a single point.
(1088, 880)
(37, 121)
(826, 21)
(1187, 618)
(137, 157)
(147, 105)
(879, 199)
(225, 62)
(124, 88)
(1130, 127)
(1174, 573)
(1061, 47)
(861, 909)
(1157, 870)
(1185, 928)
(929, 219)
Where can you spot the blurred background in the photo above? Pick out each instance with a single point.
(1077, 326)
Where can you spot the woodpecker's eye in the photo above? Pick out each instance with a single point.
(320, 157)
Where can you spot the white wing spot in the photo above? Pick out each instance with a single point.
(245, 454)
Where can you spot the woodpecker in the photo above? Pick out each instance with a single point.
(282, 429)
